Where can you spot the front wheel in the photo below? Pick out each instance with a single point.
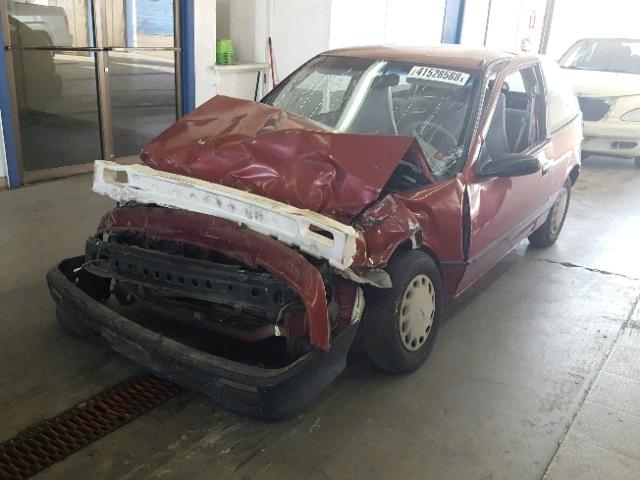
(401, 323)
(547, 233)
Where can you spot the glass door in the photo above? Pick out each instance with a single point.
(142, 56)
(92, 79)
(56, 93)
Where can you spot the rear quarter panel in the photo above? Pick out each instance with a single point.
(568, 139)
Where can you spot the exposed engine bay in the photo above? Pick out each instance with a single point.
(216, 293)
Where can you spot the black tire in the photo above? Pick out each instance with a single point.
(382, 317)
(547, 233)
(636, 162)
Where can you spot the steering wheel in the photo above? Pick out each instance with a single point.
(434, 138)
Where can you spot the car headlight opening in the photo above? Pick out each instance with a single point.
(631, 116)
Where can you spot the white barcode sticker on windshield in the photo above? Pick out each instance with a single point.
(438, 75)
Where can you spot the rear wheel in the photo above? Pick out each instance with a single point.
(401, 323)
(636, 161)
(547, 233)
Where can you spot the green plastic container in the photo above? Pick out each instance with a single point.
(225, 54)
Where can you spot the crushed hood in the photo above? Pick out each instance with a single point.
(263, 150)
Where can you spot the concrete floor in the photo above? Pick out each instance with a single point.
(536, 371)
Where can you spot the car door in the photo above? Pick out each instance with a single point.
(504, 210)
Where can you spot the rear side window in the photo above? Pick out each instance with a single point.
(562, 104)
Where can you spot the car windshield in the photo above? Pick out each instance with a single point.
(605, 55)
(431, 102)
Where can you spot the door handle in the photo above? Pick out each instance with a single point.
(545, 169)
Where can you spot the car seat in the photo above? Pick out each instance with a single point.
(497, 141)
(518, 128)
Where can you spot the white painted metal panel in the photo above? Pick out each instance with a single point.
(290, 225)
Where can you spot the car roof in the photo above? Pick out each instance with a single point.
(447, 55)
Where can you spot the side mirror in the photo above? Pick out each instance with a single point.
(509, 165)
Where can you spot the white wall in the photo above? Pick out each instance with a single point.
(242, 28)
(223, 18)
(205, 49)
(474, 22)
(357, 22)
(503, 24)
(575, 19)
(3, 156)
(399, 22)
(510, 22)
(299, 30)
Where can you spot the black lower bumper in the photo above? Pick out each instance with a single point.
(246, 389)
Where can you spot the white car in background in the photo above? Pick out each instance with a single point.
(606, 78)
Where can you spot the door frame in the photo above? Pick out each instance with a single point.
(184, 88)
(502, 68)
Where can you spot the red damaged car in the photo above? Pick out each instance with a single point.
(366, 191)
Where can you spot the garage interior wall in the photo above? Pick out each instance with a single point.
(327, 24)
(407, 22)
(330, 24)
(614, 18)
(3, 158)
(205, 16)
(504, 24)
(248, 23)
(504, 21)
(237, 20)
(296, 40)
(474, 23)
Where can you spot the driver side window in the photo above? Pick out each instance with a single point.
(518, 119)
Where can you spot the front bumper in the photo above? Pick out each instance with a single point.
(246, 389)
(290, 225)
(612, 137)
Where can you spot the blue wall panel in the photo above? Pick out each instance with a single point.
(187, 25)
(13, 174)
(452, 24)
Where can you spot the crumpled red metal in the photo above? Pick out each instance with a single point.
(264, 150)
(237, 242)
(269, 152)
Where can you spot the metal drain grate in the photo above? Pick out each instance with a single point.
(42, 445)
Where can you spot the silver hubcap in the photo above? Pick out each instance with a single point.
(417, 309)
(559, 210)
